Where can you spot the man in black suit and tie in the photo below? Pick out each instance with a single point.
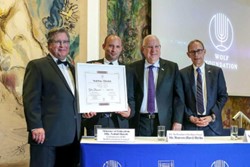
(204, 101)
(50, 106)
(113, 47)
(167, 104)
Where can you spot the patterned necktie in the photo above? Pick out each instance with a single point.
(151, 90)
(199, 93)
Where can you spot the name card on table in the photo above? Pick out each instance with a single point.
(185, 136)
(115, 135)
(246, 137)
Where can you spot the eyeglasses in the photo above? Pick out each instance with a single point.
(151, 47)
(61, 42)
(198, 51)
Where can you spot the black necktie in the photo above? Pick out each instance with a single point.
(199, 92)
(110, 63)
(62, 62)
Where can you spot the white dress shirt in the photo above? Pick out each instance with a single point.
(145, 88)
(67, 74)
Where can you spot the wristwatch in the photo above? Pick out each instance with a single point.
(213, 117)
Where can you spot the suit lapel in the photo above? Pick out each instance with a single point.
(162, 69)
(140, 73)
(209, 80)
(192, 79)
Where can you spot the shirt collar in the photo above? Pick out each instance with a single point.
(156, 64)
(202, 67)
(107, 62)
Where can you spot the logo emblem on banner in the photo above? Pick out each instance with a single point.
(219, 163)
(221, 32)
(112, 163)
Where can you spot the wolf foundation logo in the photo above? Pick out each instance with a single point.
(219, 163)
(221, 32)
(112, 163)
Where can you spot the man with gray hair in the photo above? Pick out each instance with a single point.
(158, 93)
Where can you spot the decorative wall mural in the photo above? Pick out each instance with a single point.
(131, 20)
(23, 25)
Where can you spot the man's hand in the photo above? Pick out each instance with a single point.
(200, 122)
(89, 115)
(125, 114)
(177, 126)
(38, 135)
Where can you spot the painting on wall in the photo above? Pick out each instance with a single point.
(24, 25)
(131, 20)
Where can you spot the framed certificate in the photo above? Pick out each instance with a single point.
(101, 88)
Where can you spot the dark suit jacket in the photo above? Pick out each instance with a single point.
(216, 95)
(89, 123)
(49, 103)
(169, 93)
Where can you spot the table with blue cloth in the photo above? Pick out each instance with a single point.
(148, 152)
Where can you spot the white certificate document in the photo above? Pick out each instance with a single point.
(101, 88)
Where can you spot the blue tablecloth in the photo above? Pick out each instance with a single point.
(165, 155)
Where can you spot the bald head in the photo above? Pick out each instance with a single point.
(113, 47)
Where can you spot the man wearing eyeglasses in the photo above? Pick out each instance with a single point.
(50, 106)
(158, 95)
(205, 92)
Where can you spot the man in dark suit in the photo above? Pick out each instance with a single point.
(112, 46)
(214, 93)
(50, 106)
(168, 105)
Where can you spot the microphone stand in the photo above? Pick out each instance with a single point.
(242, 116)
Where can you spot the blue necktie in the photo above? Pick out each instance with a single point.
(199, 93)
(151, 90)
